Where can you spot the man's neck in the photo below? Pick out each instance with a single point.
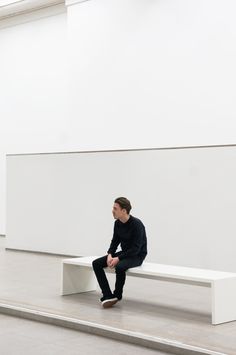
(125, 218)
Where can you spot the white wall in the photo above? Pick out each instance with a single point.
(113, 74)
(33, 87)
(61, 203)
(150, 73)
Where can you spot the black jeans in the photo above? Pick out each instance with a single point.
(121, 268)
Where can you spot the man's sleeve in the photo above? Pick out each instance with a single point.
(139, 231)
(114, 242)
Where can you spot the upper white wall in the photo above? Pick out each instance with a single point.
(33, 84)
(148, 73)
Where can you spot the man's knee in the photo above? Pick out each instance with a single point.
(99, 263)
(95, 264)
(120, 268)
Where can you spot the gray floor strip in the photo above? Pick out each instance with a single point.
(173, 347)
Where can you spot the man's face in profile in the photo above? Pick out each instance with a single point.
(117, 211)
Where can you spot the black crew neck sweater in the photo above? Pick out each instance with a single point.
(132, 237)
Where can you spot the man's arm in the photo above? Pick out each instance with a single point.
(114, 242)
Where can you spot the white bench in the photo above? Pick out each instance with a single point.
(78, 276)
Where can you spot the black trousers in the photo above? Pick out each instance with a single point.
(123, 265)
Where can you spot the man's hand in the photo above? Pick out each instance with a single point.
(109, 260)
(114, 262)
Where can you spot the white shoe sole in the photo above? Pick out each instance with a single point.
(109, 303)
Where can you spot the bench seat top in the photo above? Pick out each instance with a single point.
(163, 271)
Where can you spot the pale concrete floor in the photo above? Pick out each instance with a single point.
(26, 337)
(161, 309)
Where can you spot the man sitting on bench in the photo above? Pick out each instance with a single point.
(130, 232)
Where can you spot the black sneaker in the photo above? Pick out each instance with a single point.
(119, 297)
(102, 298)
(109, 301)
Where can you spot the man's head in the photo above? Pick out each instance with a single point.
(121, 208)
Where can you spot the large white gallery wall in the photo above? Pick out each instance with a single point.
(120, 74)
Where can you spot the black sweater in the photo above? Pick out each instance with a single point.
(132, 237)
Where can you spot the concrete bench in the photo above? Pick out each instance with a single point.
(78, 276)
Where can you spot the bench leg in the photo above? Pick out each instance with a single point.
(76, 279)
(223, 300)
